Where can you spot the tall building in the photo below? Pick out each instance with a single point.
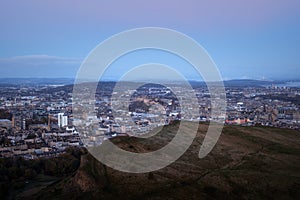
(13, 121)
(23, 126)
(62, 119)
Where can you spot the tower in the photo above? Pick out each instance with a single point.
(23, 124)
(62, 120)
(49, 122)
(13, 121)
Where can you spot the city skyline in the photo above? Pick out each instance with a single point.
(49, 39)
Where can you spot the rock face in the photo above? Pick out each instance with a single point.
(246, 163)
(87, 175)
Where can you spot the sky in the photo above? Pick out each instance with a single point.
(258, 39)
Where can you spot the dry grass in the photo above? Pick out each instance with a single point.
(246, 163)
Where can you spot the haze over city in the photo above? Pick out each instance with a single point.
(246, 39)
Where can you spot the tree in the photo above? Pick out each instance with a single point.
(30, 174)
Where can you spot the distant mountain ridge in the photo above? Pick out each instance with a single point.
(36, 81)
(70, 81)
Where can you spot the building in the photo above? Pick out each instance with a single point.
(5, 123)
(62, 120)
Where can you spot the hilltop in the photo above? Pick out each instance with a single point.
(246, 163)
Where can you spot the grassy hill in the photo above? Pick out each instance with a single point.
(246, 163)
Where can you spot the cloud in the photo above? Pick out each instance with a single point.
(39, 60)
(39, 66)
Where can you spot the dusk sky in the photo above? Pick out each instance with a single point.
(247, 39)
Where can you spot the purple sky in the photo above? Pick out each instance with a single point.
(246, 39)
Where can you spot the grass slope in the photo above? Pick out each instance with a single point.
(246, 163)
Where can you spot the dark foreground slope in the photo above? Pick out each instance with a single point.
(246, 163)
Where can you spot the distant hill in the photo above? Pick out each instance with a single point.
(246, 163)
(247, 83)
(240, 83)
(36, 81)
(69, 81)
(107, 86)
